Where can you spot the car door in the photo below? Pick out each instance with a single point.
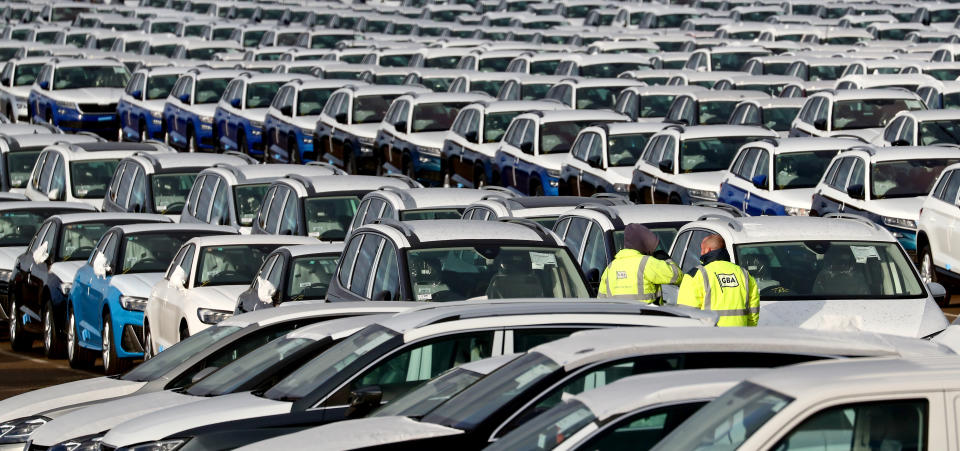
(734, 188)
(830, 196)
(661, 191)
(757, 201)
(857, 182)
(572, 169)
(98, 286)
(524, 165)
(173, 301)
(945, 218)
(592, 177)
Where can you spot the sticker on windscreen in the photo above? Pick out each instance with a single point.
(862, 253)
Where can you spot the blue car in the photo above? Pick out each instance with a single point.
(288, 125)
(238, 119)
(110, 291)
(141, 106)
(188, 112)
(79, 95)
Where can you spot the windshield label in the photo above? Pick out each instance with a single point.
(862, 253)
(539, 259)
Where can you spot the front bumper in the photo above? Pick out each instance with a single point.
(127, 329)
(103, 124)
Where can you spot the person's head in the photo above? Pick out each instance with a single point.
(712, 243)
(640, 239)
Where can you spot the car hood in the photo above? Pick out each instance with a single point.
(902, 207)
(206, 109)
(103, 416)
(353, 434)
(870, 135)
(306, 123)
(552, 161)
(20, 91)
(9, 254)
(620, 174)
(254, 114)
(222, 297)
(87, 95)
(427, 139)
(66, 271)
(705, 181)
(62, 395)
(157, 425)
(138, 285)
(906, 317)
(154, 105)
(363, 130)
(799, 197)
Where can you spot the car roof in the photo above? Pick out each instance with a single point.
(445, 230)
(439, 97)
(574, 115)
(602, 82)
(314, 249)
(854, 94)
(620, 215)
(709, 131)
(44, 205)
(430, 197)
(227, 240)
(162, 161)
(72, 62)
(623, 128)
(272, 77)
(218, 73)
(304, 309)
(777, 102)
(336, 328)
(497, 106)
(661, 89)
(128, 229)
(730, 94)
(933, 115)
(806, 144)
(770, 229)
(319, 184)
(74, 218)
(46, 139)
(596, 345)
(256, 173)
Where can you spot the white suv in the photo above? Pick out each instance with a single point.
(938, 232)
(860, 113)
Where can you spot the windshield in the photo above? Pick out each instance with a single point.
(710, 154)
(437, 84)
(90, 77)
(625, 150)
(557, 137)
(328, 218)
(174, 356)
(247, 199)
(545, 67)
(553, 427)
(492, 271)
(78, 240)
(814, 270)
(164, 27)
(716, 112)
(655, 105)
(495, 124)
(779, 119)
(252, 38)
(163, 50)
(89, 178)
(19, 166)
(939, 132)
(431, 394)
(259, 95)
(817, 73)
(869, 113)
(800, 169)
(230, 265)
(311, 101)
(152, 252)
(664, 233)
(206, 53)
(361, 347)
(389, 79)
(159, 86)
(371, 109)
(256, 363)
(435, 213)
(728, 421)
(66, 14)
(473, 405)
(610, 70)
(534, 91)
(310, 277)
(395, 60)
(209, 90)
(18, 227)
(327, 41)
(435, 117)
(730, 61)
(490, 87)
(25, 74)
(170, 192)
(943, 74)
(906, 178)
(442, 62)
(597, 98)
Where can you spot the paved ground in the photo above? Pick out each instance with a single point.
(24, 372)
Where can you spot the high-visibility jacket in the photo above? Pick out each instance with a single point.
(632, 275)
(723, 288)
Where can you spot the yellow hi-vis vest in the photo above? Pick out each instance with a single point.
(725, 289)
(632, 275)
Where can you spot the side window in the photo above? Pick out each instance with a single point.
(191, 206)
(906, 133)
(763, 165)
(206, 196)
(953, 186)
(47, 172)
(900, 425)
(751, 115)
(288, 220)
(275, 277)
(386, 282)
(110, 249)
(473, 126)
(580, 147)
(361, 212)
(115, 182)
(187, 262)
(891, 132)
(528, 136)
(575, 233)
(346, 263)
(123, 189)
(642, 429)
(175, 262)
(628, 104)
(512, 137)
(273, 214)
(748, 162)
(220, 210)
(138, 192)
(594, 253)
(839, 180)
(650, 151)
(676, 253)
(595, 152)
(59, 179)
(263, 213)
(691, 258)
(822, 112)
(365, 260)
(857, 174)
(39, 238)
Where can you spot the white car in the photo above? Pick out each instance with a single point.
(15, 81)
(202, 283)
(858, 113)
(938, 232)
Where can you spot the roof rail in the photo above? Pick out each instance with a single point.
(618, 199)
(732, 223)
(234, 153)
(404, 195)
(736, 212)
(540, 230)
(324, 164)
(401, 227)
(409, 181)
(854, 217)
(498, 189)
(849, 136)
(92, 135)
(607, 210)
(868, 149)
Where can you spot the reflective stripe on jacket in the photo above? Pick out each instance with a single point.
(630, 270)
(725, 289)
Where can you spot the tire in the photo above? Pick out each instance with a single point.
(293, 150)
(20, 340)
(147, 342)
(143, 132)
(349, 162)
(111, 363)
(675, 199)
(192, 141)
(408, 169)
(479, 177)
(78, 356)
(928, 273)
(53, 345)
(242, 142)
(537, 188)
(184, 332)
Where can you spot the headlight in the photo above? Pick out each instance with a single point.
(431, 151)
(210, 316)
(133, 303)
(70, 105)
(899, 222)
(621, 187)
(17, 431)
(702, 194)
(157, 114)
(159, 445)
(797, 211)
(553, 173)
(85, 443)
(5, 275)
(365, 141)
(65, 287)
(206, 119)
(256, 124)
(22, 101)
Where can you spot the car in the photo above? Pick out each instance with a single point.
(600, 65)
(472, 141)
(535, 144)
(707, 107)
(528, 87)
(322, 206)
(681, 165)
(723, 58)
(246, 185)
(775, 114)
(80, 172)
(409, 138)
(650, 103)
(346, 129)
(436, 80)
(20, 151)
(288, 127)
(402, 204)
(159, 182)
(104, 318)
(249, 35)
(238, 119)
(902, 81)
(323, 38)
(43, 275)
(291, 274)
(535, 63)
(858, 113)
(541, 210)
(196, 49)
(189, 109)
(935, 232)
(922, 128)
(488, 83)
(590, 93)
(779, 176)
(885, 185)
(431, 338)
(79, 95)
(16, 80)
(831, 260)
(828, 402)
(601, 159)
(141, 107)
(816, 69)
(520, 391)
(201, 285)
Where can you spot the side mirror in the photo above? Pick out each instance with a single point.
(472, 137)
(666, 166)
(185, 98)
(594, 161)
(938, 292)
(526, 147)
(178, 278)
(40, 254)
(5, 81)
(341, 118)
(100, 266)
(363, 400)
(235, 103)
(265, 290)
(401, 126)
(855, 191)
(900, 142)
(820, 124)
(593, 276)
(202, 374)
(137, 94)
(287, 110)
(760, 181)
(44, 84)
(54, 194)
(384, 295)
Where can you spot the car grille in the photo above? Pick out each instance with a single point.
(34, 447)
(95, 108)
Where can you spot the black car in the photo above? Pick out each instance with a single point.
(291, 273)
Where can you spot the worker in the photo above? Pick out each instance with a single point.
(635, 272)
(722, 287)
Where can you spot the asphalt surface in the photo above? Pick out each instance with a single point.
(22, 372)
